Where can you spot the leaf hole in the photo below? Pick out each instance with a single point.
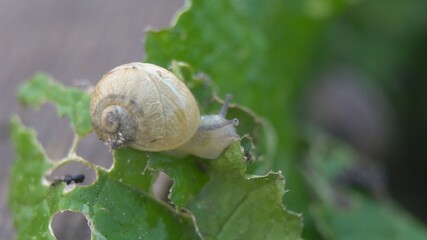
(71, 173)
(162, 186)
(53, 132)
(70, 225)
(90, 147)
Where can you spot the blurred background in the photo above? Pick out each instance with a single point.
(361, 100)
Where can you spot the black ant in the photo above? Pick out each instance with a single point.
(68, 179)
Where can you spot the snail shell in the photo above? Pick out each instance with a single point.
(145, 107)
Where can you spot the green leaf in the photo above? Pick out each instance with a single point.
(259, 51)
(260, 138)
(114, 204)
(233, 206)
(27, 194)
(366, 219)
(186, 173)
(70, 102)
(124, 191)
(343, 213)
(240, 54)
(256, 50)
(130, 168)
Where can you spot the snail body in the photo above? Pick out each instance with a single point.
(148, 108)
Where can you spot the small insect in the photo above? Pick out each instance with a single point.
(68, 179)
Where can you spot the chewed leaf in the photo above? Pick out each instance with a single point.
(220, 200)
(262, 135)
(186, 173)
(131, 168)
(114, 205)
(27, 194)
(70, 102)
(225, 202)
(260, 145)
(117, 211)
(231, 204)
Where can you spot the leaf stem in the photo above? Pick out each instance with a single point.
(72, 155)
(73, 147)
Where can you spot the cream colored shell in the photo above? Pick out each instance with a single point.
(159, 110)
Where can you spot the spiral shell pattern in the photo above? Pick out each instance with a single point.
(143, 106)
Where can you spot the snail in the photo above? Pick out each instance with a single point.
(148, 108)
